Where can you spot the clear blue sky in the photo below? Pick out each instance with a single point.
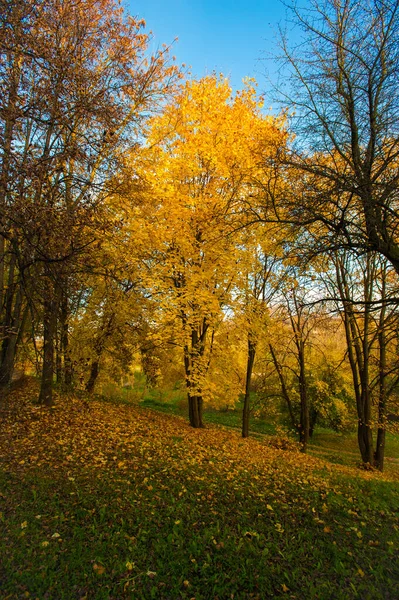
(226, 36)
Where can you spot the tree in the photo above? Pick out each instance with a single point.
(364, 286)
(75, 88)
(199, 163)
(343, 99)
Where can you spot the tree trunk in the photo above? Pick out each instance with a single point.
(303, 392)
(284, 389)
(105, 332)
(64, 342)
(195, 410)
(357, 338)
(10, 343)
(49, 330)
(382, 395)
(365, 441)
(365, 433)
(192, 357)
(7, 324)
(380, 449)
(246, 407)
(94, 370)
(58, 358)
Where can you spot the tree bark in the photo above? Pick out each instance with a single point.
(195, 410)
(382, 387)
(49, 330)
(303, 392)
(105, 332)
(64, 342)
(94, 371)
(10, 343)
(358, 344)
(192, 357)
(247, 397)
(284, 390)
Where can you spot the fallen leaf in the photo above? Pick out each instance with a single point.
(99, 569)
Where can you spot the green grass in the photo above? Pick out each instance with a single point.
(126, 503)
(113, 545)
(227, 418)
(342, 449)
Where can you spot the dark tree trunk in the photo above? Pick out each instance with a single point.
(284, 390)
(382, 395)
(94, 370)
(195, 410)
(105, 332)
(10, 342)
(246, 407)
(58, 358)
(64, 342)
(191, 357)
(49, 330)
(357, 339)
(303, 392)
(380, 449)
(365, 441)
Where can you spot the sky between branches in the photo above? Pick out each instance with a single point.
(230, 37)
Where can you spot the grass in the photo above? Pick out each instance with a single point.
(231, 417)
(332, 446)
(106, 500)
(342, 448)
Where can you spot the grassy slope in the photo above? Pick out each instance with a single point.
(112, 501)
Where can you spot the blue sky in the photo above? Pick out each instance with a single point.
(226, 36)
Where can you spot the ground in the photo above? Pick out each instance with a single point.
(103, 500)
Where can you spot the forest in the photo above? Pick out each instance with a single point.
(170, 245)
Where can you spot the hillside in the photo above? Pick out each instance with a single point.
(104, 500)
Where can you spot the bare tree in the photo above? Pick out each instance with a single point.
(370, 319)
(342, 98)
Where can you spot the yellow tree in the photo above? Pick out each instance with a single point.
(203, 154)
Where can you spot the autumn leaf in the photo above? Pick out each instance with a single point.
(99, 569)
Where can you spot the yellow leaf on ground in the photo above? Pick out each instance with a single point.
(99, 569)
